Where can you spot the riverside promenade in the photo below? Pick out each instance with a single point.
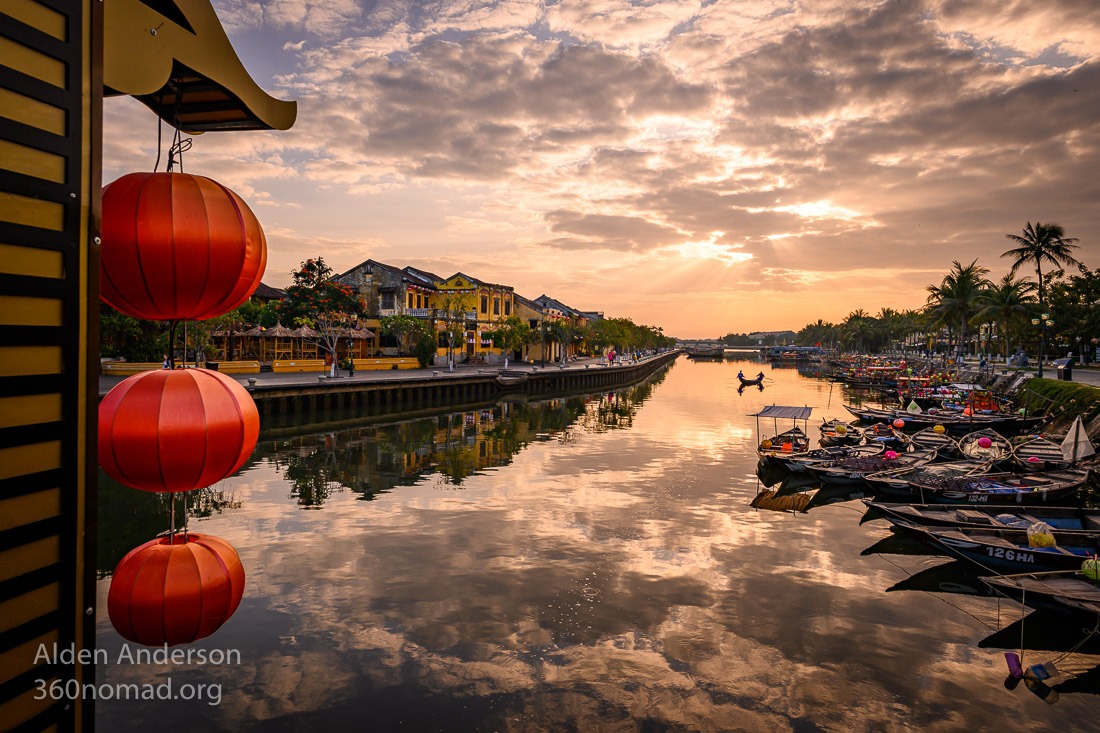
(269, 380)
(285, 400)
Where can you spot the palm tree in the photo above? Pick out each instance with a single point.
(956, 299)
(1002, 302)
(859, 325)
(1043, 242)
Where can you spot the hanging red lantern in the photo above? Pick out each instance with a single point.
(176, 430)
(174, 590)
(177, 247)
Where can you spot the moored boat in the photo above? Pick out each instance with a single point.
(1064, 591)
(998, 516)
(936, 437)
(954, 422)
(853, 470)
(1009, 550)
(1001, 488)
(896, 483)
(797, 462)
(836, 432)
(985, 445)
(887, 435)
(1038, 454)
(787, 443)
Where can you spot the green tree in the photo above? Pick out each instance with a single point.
(406, 329)
(1075, 306)
(958, 297)
(328, 307)
(1005, 301)
(512, 333)
(1038, 244)
(452, 313)
(858, 328)
(130, 338)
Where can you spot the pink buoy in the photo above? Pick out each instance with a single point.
(985, 442)
(1015, 668)
(1033, 459)
(891, 455)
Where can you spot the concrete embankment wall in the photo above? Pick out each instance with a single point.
(1062, 402)
(307, 403)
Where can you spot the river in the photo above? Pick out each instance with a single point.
(591, 563)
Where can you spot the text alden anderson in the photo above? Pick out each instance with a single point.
(140, 655)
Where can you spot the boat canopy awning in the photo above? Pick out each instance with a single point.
(779, 411)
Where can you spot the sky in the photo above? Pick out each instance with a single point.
(705, 166)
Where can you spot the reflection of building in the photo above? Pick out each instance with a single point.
(375, 459)
(59, 60)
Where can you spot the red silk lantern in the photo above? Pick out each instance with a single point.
(176, 430)
(177, 247)
(175, 590)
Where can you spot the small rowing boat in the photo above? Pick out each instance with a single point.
(989, 516)
(1065, 591)
(1047, 487)
(1010, 550)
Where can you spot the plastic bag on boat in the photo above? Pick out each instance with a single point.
(1011, 520)
(1040, 535)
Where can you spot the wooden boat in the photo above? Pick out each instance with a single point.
(1008, 550)
(836, 432)
(895, 483)
(1039, 454)
(945, 445)
(786, 443)
(954, 422)
(751, 382)
(986, 516)
(799, 462)
(853, 470)
(985, 445)
(707, 353)
(888, 436)
(1065, 591)
(1047, 487)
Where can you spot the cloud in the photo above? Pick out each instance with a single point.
(607, 127)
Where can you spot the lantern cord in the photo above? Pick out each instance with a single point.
(179, 147)
(159, 123)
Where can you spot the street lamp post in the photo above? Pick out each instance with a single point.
(1043, 322)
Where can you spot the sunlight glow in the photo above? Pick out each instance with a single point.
(822, 209)
(713, 250)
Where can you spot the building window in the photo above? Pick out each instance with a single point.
(388, 301)
(496, 306)
(507, 307)
(410, 299)
(485, 304)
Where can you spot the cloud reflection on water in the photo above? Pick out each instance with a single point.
(616, 581)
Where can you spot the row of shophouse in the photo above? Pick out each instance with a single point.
(408, 291)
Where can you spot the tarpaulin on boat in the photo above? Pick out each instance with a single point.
(788, 413)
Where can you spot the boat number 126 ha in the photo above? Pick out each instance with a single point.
(1001, 553)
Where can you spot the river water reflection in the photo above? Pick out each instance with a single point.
(588, 564)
